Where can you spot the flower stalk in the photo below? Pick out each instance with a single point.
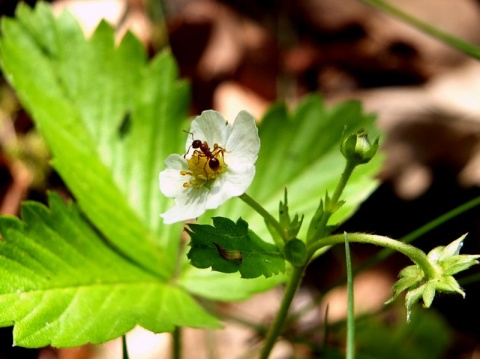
(416, 255)
(278, 324)
(267, 217)
(320, 230)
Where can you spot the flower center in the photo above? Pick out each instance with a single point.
(205, 166)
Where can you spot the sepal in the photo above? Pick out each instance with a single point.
(447, 261)
(357, 147)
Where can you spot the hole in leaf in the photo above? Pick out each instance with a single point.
(125, 125)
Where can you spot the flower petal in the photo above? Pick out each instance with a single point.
(210, 126)
(171, 181)
(188, 206)
(237, 182)
(218, 193)
(243, 143)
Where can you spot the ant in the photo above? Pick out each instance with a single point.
(203, 150)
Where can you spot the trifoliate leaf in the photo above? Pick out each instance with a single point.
(230, 247)
(62, 285)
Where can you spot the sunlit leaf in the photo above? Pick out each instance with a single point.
(110, 119)
(62, 284)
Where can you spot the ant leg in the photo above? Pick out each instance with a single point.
(199, 154)
(217, 150)
(186, 153)
(205, 169)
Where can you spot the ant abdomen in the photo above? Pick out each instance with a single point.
(214, 163)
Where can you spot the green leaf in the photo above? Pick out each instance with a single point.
(62, 285)
(301, 151)
(110, 119)
(227, 287)
(229, 247)
(292, 226)
(296, 252)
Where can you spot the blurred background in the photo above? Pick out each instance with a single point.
(247, 54)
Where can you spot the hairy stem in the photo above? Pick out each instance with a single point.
(347, 172)
(416, 255)
(321, 230)
(277, 326)
(350, 308)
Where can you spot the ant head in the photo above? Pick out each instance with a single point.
(195, 143)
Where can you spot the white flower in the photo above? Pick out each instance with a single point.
(219, 163)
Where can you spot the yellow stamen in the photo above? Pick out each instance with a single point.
(199, 165)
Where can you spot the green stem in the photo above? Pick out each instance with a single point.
(158, 28)
(347, 172)
(331, 204)
(277, 326)
(426, 228)
(415, 254)
(464, 46)
(177, 343)
(124, 347)
(296, 277)
(266, 215)
(350, 301)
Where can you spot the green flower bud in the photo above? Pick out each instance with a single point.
(358, 148)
